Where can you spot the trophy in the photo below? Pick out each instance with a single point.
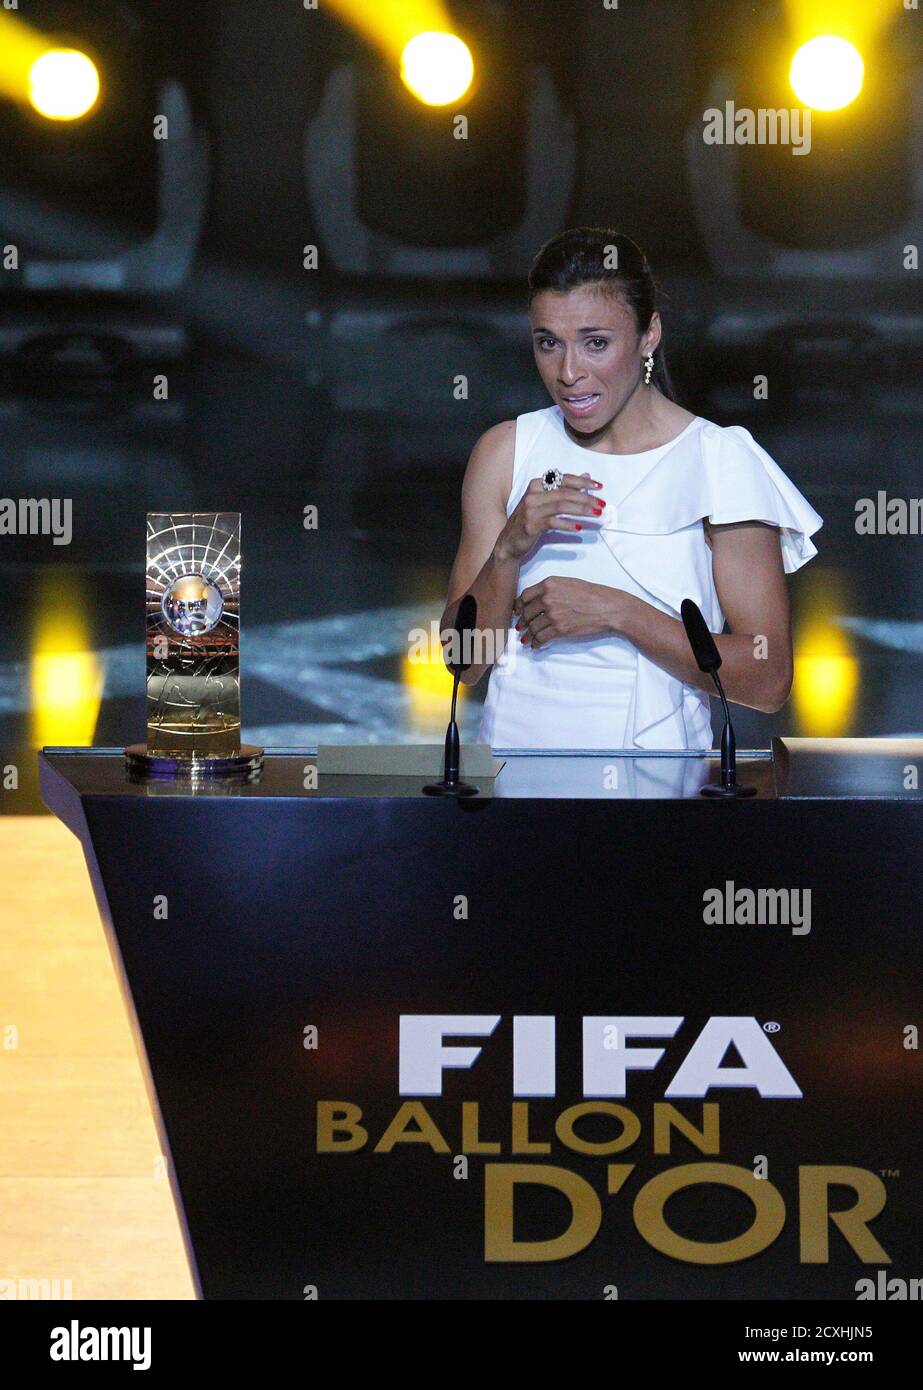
(193, 649)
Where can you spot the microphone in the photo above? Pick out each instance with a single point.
(463, 634)
(708, 659)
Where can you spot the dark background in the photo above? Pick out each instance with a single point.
(334, 386)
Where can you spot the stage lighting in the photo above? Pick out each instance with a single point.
(415, 179)
(437, 68)
(89, 196)
(825, 688)
(428, 685)
(63, 84)
(827, 73)
(853, 193)
(67, 677)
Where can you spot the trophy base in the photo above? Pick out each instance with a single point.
(242, 765)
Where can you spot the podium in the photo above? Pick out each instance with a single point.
(618, 1041)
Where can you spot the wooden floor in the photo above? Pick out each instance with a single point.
(83, 1196)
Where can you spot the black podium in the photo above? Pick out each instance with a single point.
(620, 1041)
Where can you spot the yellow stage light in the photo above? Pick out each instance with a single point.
(67, 676)
(826, 679)
(827, 73)
(63, 84)
(67, 691)
(437, 67)
(428, 684)
(67, 681)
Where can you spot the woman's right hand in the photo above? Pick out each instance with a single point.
(539, 511)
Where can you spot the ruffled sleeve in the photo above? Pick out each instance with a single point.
(654, 531)
(746, 484)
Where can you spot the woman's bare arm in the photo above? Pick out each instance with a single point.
(477, 570)
(493, 544)
(756, 655)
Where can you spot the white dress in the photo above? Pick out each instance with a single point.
(602, 692)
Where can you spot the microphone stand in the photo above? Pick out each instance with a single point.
(451, 784)
(729, 786)
(708, 658)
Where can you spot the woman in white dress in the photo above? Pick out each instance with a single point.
(586, 524)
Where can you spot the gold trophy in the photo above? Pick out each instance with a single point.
(193, 649)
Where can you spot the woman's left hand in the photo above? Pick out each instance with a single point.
(561, 607)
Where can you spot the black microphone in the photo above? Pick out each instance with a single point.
(462, 638)
(708, 659)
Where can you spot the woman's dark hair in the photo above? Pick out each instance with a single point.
(601, 256)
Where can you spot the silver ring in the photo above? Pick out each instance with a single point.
(552, 479)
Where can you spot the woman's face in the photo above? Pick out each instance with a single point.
(589, 352)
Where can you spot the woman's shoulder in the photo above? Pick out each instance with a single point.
(731, 435)
(506, 446)
(497, 439)
(743, 482)
(733, 457)
(506, 433)
(705, 453)
(719, 473)
(489, 472)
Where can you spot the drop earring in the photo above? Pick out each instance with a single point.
(648, 368)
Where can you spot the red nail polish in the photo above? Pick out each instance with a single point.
(597, 511)
(579, 527)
